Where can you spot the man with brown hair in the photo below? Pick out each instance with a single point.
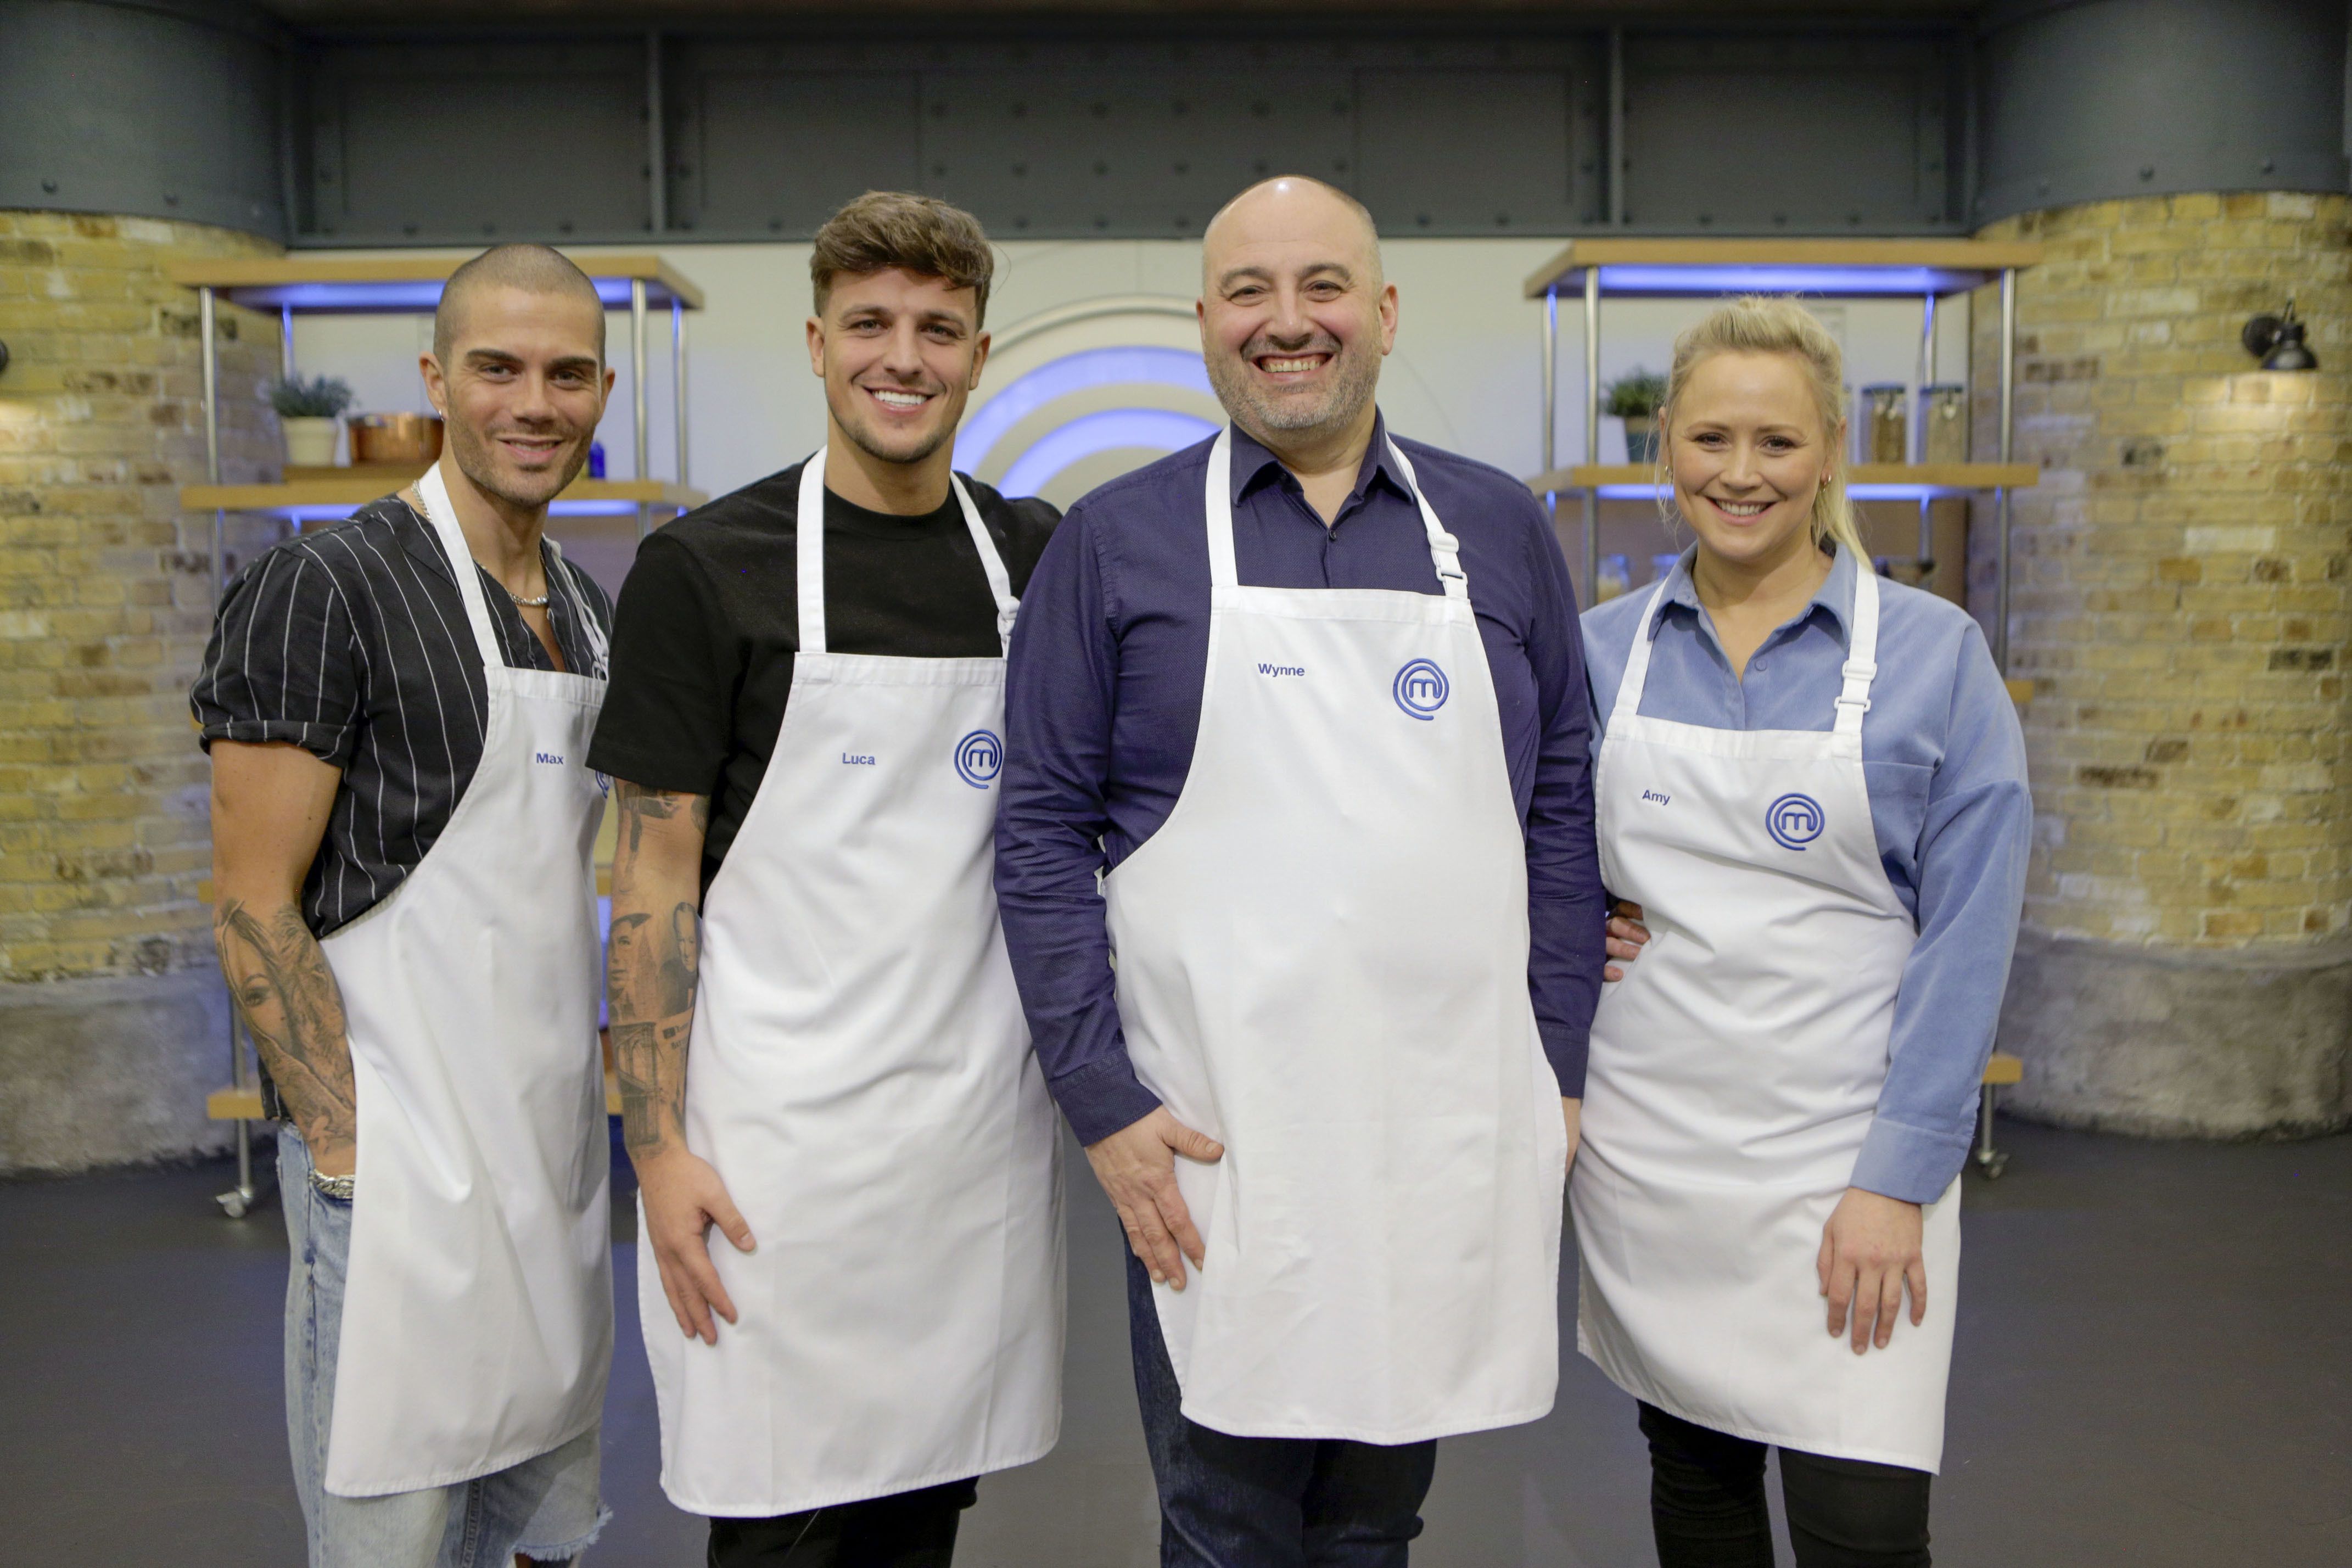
(804, 727)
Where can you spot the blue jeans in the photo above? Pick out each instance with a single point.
(549, 1507)
(1266, 1502)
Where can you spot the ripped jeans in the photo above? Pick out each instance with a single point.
(549, 1507)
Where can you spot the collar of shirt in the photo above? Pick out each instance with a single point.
(1833, 602)
(422, 541)
(1253, 466)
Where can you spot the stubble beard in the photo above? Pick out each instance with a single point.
(1356, 374)
(863, 439)
(481, 469)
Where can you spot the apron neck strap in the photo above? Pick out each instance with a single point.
(1445, 550)
(1000, 581)
(441, 515)
(809, 540)
(1862, 651)
(1637, 658)
(600, 644)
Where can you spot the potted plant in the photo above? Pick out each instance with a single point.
(1635, 397)
(307, 412)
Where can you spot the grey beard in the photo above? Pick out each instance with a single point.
(1351, 389)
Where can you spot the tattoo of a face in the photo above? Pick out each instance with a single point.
(288, 999)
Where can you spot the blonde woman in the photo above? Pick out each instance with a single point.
(1812, 797)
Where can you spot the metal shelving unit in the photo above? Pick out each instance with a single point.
(404, 286)
(1929, 270)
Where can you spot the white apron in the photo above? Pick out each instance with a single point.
(1734, 1075)
(477, 1315)
(860, 1075)
(1323, 965)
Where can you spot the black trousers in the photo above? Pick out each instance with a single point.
(909, 1530)
(1707, 1503)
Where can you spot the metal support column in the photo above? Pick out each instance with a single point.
(2001, 496)
(238, 1201)
(1549, 445)
(677, 377)
(637, 397)
(1926, 562)
(1590, 586)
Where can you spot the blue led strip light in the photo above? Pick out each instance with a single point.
(1178, 368)
(1153, 429)
(1831, 281)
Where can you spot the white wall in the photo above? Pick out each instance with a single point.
(1465, 374)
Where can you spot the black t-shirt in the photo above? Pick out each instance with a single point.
(708, 621)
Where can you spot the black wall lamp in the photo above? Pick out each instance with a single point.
(2277, 341)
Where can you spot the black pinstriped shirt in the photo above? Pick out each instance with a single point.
(351, 641)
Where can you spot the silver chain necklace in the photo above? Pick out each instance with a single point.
(520, 603)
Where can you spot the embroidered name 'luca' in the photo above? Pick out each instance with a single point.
(852, 759)
(1653, 794)
(1279, 670)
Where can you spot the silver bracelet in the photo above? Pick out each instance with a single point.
(336, 1188)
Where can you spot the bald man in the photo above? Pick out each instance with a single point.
(1309, 699)
(398, 708)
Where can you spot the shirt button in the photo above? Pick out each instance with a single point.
(1755, 664)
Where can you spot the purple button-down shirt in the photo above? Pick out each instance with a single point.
(1103, 703)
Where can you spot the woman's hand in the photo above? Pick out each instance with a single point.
(1870, 1249)
(1625, 937)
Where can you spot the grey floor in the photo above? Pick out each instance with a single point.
(2154, 1369)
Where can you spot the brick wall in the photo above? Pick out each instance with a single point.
(104, 605)
(2181, 604)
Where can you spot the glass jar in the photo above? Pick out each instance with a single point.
(1944, 419)
(1616, 577)
(1886, 423)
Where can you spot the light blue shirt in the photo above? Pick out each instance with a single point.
(1945, 763)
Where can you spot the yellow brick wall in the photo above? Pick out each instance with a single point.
(2181, 591)
(104, 596)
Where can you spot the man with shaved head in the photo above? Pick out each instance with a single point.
(1308, 701)
(398, 708)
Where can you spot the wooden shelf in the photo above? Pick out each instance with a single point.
(404, 283)
(367, 484)
(1949, 479)
(1940, 265)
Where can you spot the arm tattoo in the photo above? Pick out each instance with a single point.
(651, 979)
(280, 979)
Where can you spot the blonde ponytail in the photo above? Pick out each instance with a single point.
(1772, 324)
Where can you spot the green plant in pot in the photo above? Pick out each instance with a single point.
(1636, 398)
(307, 412)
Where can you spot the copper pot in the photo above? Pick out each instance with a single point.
(395, 438)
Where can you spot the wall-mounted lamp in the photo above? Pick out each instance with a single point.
(2277, 341)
